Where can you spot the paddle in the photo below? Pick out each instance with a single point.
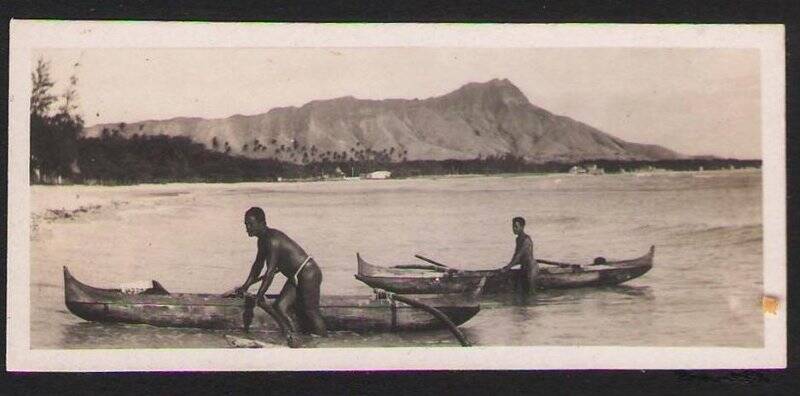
(563, 265)
(442, 267)
(422, 267)
(430, 261)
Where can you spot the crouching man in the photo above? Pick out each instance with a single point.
(280, 253)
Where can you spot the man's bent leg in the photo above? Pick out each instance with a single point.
(284, 321)
(285, 302)
(310, 280)
(285, 326)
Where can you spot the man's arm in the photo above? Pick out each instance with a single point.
(519, 252)
(258, 264)
(272, 267)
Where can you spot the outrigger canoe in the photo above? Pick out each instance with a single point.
(434, 280)
(158, 307)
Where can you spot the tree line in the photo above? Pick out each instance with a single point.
(309, 153)
(54, 130)
(113, 159)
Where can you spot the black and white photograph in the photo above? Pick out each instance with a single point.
(227, 196)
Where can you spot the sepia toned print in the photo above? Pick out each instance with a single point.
(606, 198)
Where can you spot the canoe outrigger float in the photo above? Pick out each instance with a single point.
(158, 307)
(439, 279)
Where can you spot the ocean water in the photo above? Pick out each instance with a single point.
(704, 289)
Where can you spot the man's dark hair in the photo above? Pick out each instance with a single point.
(256, 213)
(519, 220)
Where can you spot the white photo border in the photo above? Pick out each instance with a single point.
(27, 36)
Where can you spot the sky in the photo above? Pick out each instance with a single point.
(694, 101)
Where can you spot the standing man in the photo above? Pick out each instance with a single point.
(281, 253)
(523, 256)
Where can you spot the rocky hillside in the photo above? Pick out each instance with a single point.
(479, 119)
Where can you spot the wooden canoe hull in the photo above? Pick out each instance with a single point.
(418, 281)
(446, 284)
(209, 311)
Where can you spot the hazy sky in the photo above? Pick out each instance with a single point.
(694, 101)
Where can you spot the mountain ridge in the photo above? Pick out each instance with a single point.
(478, 119)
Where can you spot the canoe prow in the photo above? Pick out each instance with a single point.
(367, 269)
(417, 280)
(645, 261)
(361, 264)
(75, 291)
(81, 299)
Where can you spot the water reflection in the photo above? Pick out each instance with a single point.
(110, 335)
(636, 291)
(565, 316)
(124, 336)
(568, 296)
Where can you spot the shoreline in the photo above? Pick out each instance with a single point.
(69, 202)
(420, 177)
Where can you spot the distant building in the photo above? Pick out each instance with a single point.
(594, 170)
(588, 170)
(575, 170)
(378, 175)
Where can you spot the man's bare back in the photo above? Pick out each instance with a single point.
(289, 255)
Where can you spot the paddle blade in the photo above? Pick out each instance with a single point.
(430, 261)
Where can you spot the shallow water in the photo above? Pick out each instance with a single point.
(704, 290)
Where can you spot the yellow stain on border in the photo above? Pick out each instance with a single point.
(769, 305)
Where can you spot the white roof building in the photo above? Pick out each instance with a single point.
(378, 175)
